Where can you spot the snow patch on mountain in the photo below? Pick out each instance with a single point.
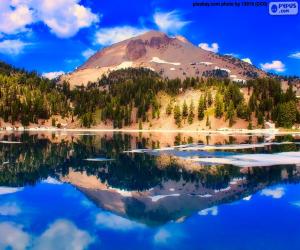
(158, 60)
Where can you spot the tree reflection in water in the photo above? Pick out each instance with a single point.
(144, 175)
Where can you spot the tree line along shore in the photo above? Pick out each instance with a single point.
(139, 97)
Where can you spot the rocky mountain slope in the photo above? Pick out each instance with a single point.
(171, 57)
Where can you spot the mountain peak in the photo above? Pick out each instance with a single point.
(172, 57)
(153, 33)
(159, 34)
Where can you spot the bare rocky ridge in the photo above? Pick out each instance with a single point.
(172, 57)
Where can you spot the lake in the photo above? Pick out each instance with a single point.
(74, 190)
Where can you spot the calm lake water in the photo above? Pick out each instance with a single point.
(149, 191)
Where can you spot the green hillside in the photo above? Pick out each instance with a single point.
(131, 96)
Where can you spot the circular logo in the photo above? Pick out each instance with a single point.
(274, 8)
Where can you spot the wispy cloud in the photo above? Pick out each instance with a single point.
(295, 55)
(214, 47)
(88, 53)
(162, 236)
(108, 36)
(115, 222)
(275, 65)
(9, 209)
(233, 54)
(170, 22)
(12, 47)
(168, 235)
(296, 203)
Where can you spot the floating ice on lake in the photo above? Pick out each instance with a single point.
(158, 197)
(9, 190)
(232, 146)
(248, 198)
(212, 211)
(254, 160)
(99, 159)
(203, 147)
(10, 142)
(204, 195)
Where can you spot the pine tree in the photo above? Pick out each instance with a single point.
(219, 106)
(201, 108)
(209, 98)
(191, 113)
(242, 111)
(230, 114)
(260, 118)
(177, 115)
(185, 112)
(252, 102)
(169, 109)
(287, 114)
(205, 99)
(87, 120)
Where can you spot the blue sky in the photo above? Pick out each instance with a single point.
(57, 36)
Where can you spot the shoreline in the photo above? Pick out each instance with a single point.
(226, 132)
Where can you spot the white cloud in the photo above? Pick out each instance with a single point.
(64, 17)
(276, 65)
(14, 16)
(162, 236)
(170, 234)
(295, 55)
(63, 234)
(13, 237)
(276, 193)
(115, 222)
(213, 48)
(108, 36)
(87, 203)
(170, 22)
(247, 60)
(72, 61)
(53, 75)
(9, 209)
(209, 211)
(88, 53)
(9, 190)
(12, 47)
(296, 203)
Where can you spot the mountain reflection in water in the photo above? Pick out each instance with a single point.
(149, 187)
